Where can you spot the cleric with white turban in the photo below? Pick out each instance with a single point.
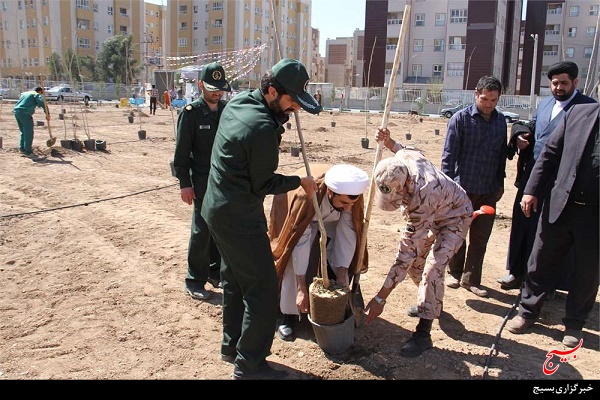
(341, 202)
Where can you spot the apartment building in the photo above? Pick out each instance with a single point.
(248, 36)
(566, 30)
(344, 60)
(449, 42)
(31, 30)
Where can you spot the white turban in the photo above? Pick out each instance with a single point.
(347, 179)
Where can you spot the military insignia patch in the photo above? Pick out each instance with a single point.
(385, 189)
(188, 107)
(216, 75)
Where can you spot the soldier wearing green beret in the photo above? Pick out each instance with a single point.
(244, 159)
(196, 129)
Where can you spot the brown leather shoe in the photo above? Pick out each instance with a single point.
(520, 325)
(474, 289)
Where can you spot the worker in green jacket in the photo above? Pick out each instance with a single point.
(24, 110)
(244, 159)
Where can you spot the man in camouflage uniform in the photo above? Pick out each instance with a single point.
(438, 213)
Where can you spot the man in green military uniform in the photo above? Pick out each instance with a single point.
(244, 159)
(24, 110)
(196, 128)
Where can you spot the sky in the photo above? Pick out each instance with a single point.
(337, 18)
(333, 18)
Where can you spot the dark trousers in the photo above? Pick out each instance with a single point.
(250, 297)
(469, 270)
(577, 226)
(153, 101)
(522, 236)
(204, 260)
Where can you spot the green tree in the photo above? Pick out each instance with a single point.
(57, 70)
(116, 60)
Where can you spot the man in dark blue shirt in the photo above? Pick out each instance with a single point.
(475, 157)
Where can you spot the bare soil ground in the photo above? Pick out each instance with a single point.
(93, 258)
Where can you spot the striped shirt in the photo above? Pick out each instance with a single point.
(474, 153)
(154, 92)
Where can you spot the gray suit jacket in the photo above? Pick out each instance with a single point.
(561, 156)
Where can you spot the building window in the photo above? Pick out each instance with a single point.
(456, 68)
(417, 70)
(110, 10)
(246, 42)
(182, 26)
(196, 26)
(218, 5)
(594, 9)
(110, 29)
(182, 10)
(572, 32)
(590, 31)
(587, 52)
(573, 11)
(83, 23)
(438, 70)
(419, 19)
(440, 19)
(458, 16)
(83, 43)
(418, 45)
(457, 43)
(439, 44)
(123, 12)
(570, 52)
(123, 30)
(82, 4)
(96, 25)
(195, 42)
(182, 42)
(97, 45)
(217, 39)
(195, 9)
(217, 23)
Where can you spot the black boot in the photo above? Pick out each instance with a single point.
(420, 340)
(285, 330)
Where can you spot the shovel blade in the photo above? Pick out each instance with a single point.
(50, 142)
(357, 304)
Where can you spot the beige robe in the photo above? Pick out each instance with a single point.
(292, 212)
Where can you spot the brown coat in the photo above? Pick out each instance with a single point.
(291, 213)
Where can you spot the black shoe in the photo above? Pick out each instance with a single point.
(265, 373)
(285, 331)
(417, 344)
(510, 282)
(229, 358)
(196, 291)
(215, 282)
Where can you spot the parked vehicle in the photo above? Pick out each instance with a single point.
(450, 111)
(523, 106)
(67, 93)
(3, 92)
(510, 117)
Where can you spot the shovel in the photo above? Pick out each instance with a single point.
(357, 304)
(50, 142)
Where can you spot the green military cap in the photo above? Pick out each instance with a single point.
(292, 75)
(213, 78)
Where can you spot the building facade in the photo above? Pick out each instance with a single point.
(247, 36)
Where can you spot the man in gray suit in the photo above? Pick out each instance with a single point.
(569, 218)
(549, 114)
